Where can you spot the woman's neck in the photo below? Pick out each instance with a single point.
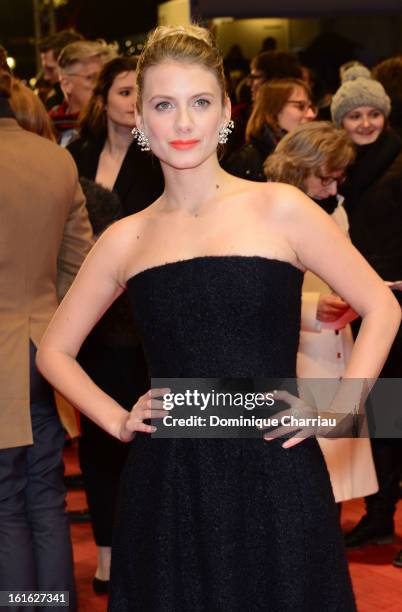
(118, 139)
(188, 189)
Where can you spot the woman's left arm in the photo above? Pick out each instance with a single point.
(322, 248)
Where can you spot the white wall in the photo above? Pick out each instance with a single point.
(291, 34)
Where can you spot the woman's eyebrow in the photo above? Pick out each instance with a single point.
(203, 93)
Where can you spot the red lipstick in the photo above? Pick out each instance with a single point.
(183, 144)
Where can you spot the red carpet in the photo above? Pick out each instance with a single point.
(377, 584)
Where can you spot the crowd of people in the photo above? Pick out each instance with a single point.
(208, 259)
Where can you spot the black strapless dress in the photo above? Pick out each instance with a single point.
(225, 525)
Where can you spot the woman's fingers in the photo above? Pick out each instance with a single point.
(294, 440)
(298, 409)
(330, 308)
(295, 403)
(147, 407)
(134, 425)
(154, 414)
(154, 403)
(154, 393)
(278, 432)
(302, 434)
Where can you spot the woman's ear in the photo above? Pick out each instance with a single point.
(138, 120)
(137, 117)
(227, 109)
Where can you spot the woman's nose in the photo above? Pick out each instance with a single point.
(333, 188)
(311, 113)
(183, 121)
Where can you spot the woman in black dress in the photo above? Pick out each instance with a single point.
(215, 524)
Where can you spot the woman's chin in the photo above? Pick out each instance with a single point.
(186, 160)
(362, 139)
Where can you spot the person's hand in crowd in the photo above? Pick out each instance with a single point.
(330, 308)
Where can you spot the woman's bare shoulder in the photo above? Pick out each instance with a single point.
(287, 203)
(268, 192)
(129, 229)
(120, 243)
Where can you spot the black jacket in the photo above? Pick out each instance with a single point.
(139, 182)
(248, 161)
(373, 201)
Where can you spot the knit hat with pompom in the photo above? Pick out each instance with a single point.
(358, 89)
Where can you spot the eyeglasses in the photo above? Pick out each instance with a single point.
(90, 78)
(255, 77)
(326, 181)
(303, 105)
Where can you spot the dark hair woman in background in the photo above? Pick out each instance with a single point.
(118, 179)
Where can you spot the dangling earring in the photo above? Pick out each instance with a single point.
(225, 131)
(141, 138)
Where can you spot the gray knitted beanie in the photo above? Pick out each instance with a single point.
(358, 89)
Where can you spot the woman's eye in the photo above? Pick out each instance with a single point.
(163, 105)
(202, 102)
(375, 114)
(125, 92)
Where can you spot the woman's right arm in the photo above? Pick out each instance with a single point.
(99, 282)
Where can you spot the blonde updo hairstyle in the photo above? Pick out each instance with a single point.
(191, 44)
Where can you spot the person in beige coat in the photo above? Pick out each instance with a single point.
(44, 236)
(314, 157)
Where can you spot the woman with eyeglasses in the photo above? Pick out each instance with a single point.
(280, 106)
(373, 197)
(314, 157)
(272, 65)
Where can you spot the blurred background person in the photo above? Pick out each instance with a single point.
(3, 60)
(314, 158)
(324, 56)
(389, 73)
(30, 111)
(272, 65)
(269, 44)
(118, 180)
(45, 235)
(373, 197)
(280, 106)
(264, 67)
(235, 61)
(79, 66)
(50, 48)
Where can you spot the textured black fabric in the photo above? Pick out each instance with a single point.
(328, 204)
(224, 525)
